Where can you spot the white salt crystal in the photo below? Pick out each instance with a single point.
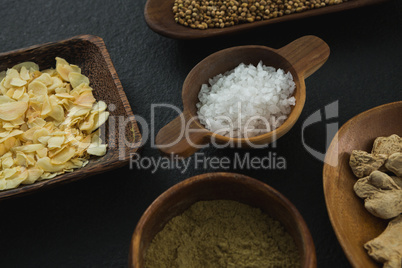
(247, 101)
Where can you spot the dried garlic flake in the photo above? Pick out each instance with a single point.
(49, 122)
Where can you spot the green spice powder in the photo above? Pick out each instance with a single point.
(222, 233)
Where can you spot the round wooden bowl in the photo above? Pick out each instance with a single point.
(213, 186)
(352, 223)
(185, 135)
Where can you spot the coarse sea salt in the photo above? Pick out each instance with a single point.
(246, 101)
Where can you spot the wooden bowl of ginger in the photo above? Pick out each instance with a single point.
(353, 224)
(202, 222)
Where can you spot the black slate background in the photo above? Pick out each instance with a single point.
(89, 223)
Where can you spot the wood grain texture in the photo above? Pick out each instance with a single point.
(90, 54)
(160, 18)
(213, 186)
(353, 224)
(301, 57)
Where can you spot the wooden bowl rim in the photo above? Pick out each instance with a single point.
(333, 152)
(226, 177)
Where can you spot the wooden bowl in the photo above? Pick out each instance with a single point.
(185, 134)
(90, 54)
(353, 224)
(213, 186)
(159, 17)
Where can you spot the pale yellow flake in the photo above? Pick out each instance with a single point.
(13, 133)
(28, 148)
(46, 106)
(38, 88)
(10, 75)
(18, 93)
(5, 99)
(63, 156)
(96, 147)
(42, 152)
(57, 113)
(51, 72)
(55, 142)
(28, 65)
(16, 180)
(24, 73)
(89, 122)
(56, 84)
(38, 133)
(21, 159)
(85, 99)
(45, 79)
(12, 110)
(45, 164)
(17, 122)
(99, 120)
(64, 68)
(77, 79)
(29, 134)
(7, 162)
(33, 175)
(98, 107)
(9, 172)
(24, 97)
(17, 82)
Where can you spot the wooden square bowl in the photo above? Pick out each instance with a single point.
(90, 54)
(214, 186)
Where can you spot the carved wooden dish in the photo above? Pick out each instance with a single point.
(213, 186)
(353, 224)
(184, 135)
(90, 54)
(159, 17)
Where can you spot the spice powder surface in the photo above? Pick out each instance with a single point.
(222, 233)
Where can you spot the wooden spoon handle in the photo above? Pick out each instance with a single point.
(306, 54)
(181, 137)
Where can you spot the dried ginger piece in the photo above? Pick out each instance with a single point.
(363, 163)
(387, 145)
(397, 180)
(394, 164)
(382, 196)
(387, 248)
(48, 122)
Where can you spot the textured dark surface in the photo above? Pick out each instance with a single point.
(89, 223)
